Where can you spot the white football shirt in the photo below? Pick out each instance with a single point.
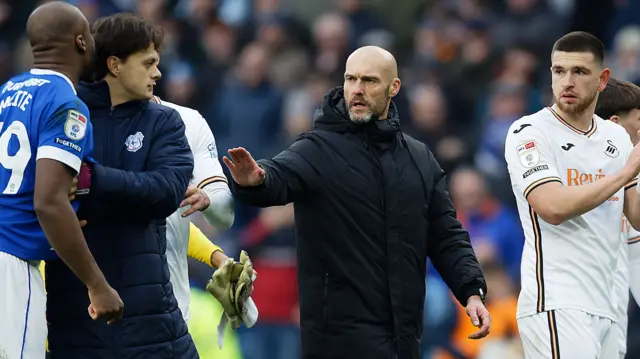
(206, 170)
(571, 265)
(633, 256)
(621, 281)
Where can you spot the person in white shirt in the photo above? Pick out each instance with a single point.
(571, 173)
(208, 193)
(620, 103)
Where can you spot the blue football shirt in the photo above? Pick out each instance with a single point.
(40, 117)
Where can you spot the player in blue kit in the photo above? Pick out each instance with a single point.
(45, 134)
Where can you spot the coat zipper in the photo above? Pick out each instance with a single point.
(383, 184)
(384, 213)
(325, 300)
(105, 145)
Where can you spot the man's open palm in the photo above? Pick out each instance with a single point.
(244, 169)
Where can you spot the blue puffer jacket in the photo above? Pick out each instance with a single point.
(144, 168)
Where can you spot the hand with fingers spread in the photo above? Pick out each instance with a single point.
(479, 316)
(197, 199)
(244, 169)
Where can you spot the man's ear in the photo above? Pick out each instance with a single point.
(113, 65)
(394, 88)
(614, 119)
(81, 44)
(604, 78)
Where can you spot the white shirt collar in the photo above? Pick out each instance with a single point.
(56, 73)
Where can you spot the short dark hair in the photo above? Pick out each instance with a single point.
(619, 97)
(121, 35)
(580, 41)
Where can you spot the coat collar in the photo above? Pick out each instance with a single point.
(97, 97)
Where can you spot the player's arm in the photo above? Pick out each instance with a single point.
(533, 171)
(634, 263)
(203, 250)
(209, 177)
(632, 203)
(58, 160)
(157, 192)
(289, 176)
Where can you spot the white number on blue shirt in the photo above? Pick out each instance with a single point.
(19, 161)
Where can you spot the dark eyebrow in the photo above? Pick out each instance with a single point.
(582, 68)
(573, 68)
(370, 78)
(363, 78)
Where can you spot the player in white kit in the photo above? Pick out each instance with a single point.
(208, 193)
(620, 103)
(568, 170)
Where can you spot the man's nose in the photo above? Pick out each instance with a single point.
(568, 81)
(358, 89)
(157, 74)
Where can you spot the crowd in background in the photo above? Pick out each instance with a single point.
(257, 69)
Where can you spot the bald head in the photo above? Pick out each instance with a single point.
(375, 58)
(370, 81)
(55, 24)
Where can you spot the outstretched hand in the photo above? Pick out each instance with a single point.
(244, 169)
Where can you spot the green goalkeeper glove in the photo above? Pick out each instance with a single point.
(244, 283)
(231, 285)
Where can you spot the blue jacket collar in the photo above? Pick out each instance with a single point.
(96, 96)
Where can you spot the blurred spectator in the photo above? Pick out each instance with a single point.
(361, 19)
(440, 319)
(301, 102)
(506, 104)
(625, 59)
(289, 62)
(182, 82)
(504, 340)
(432, 125)
(270, 241)
(494, 229)
(529, 21)
(475, 65)
(247, 111)
(331, 33)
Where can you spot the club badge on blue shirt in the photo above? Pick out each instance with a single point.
(134, 142)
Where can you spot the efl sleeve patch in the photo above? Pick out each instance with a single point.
(528, 154)
(75, 127)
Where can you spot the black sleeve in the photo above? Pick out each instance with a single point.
(289, 177)
(448, 243)
(157, 192)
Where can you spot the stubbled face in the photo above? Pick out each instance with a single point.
(576, 80)
(631, 123)
(366, 90)
(139, 73)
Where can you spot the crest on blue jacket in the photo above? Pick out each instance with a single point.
(134, 142)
